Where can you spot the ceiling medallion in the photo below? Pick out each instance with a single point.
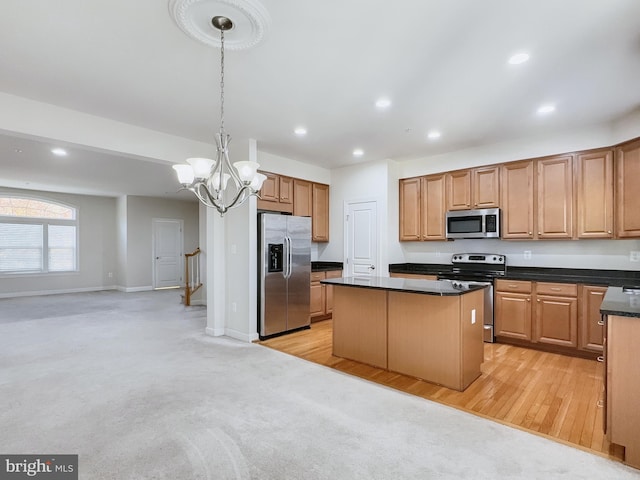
(250, 21)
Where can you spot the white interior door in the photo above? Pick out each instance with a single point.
(167, 253)
(361, 242)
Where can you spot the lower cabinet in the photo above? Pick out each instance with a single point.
(562, 317)
(512, 309)
(321, 300)
(556, 321)
(590, 325)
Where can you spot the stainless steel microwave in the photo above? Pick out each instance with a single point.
(481, 223)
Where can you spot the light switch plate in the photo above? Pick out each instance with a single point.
(527, 254)
(634, 256)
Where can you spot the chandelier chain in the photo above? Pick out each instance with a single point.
(221, 81)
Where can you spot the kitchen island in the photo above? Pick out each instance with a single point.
(432, 330)
(621, 309)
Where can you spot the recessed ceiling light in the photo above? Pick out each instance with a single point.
(383, 103)
(60, 152)
(433, 134)
(300, 131)
(518, 58)
(17, 150)
(358, 152)
(546, 109)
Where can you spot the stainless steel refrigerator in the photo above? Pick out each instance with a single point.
(284, 273)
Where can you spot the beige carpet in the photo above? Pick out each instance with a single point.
(131, 384)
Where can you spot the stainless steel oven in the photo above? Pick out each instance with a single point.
(478, 269)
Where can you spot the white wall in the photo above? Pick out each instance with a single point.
(362, 182)
(97, 244)
(140, 214)
(121, 232)
(29, 117)
(292, 168)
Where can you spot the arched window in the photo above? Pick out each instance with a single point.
(37, 236)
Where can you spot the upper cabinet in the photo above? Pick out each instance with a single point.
(590, 194)
(627, 171)
(555, 197)
(320, 213)
(276, 193)
(302, 198)
(537, 198)
(516, 181)
(422, 208)
(594, 196)
(473, 188)
(299, 197)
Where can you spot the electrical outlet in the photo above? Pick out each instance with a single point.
(110, 274)
(634, 256)
(437, 254)
(234, 307)
(527, 254)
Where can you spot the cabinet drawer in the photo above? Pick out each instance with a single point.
(513, 286)
(333, 274)
(560, 289)
(317, 276)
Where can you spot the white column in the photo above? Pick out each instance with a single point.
(216, 273)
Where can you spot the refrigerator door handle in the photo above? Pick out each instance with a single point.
(287, 256)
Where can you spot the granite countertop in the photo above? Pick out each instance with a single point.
(619, 302)
(588, 276)
(325, 266)
(426, 287)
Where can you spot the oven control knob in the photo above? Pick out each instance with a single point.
(494, 259)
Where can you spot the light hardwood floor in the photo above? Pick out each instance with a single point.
(544, 393)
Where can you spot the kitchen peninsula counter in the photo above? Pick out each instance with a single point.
(424, 328)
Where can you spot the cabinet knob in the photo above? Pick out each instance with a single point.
(600, 404)
(600, 358)
(539, 233)
(528, 299)
(609, 231)
(538, 300)
(530, 233)
(601, 323)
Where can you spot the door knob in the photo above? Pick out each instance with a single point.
(157, 258)
(372, 267)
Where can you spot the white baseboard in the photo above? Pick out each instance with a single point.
(214, 332)
(198, 303)
(134, 289)
(37, 293)
(242, 336)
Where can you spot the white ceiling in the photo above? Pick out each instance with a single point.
(322, 64)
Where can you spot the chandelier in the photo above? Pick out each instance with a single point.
(208, 179)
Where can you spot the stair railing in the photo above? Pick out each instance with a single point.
(191, 275)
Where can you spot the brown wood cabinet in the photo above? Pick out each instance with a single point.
(556, 319)
(302, 200)
(321, 301)
(594, 196)
(627, 171)
(422, 208)
(517, 185)
(410, 214)
(320, 213)
(555, 197)
(276, 193)
(590, 327)
(299, 197)
(622, 386)
(458, 190)
(473, 188)
(512, 309)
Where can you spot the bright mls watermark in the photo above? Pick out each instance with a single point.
(49, 467)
